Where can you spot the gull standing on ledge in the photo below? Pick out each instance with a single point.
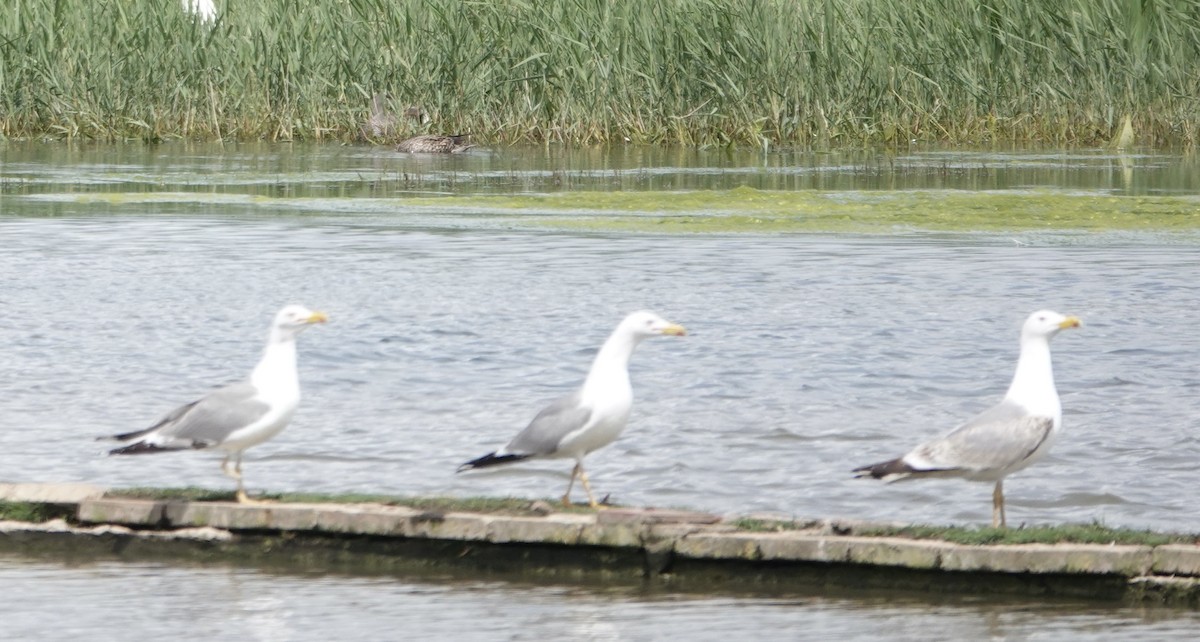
(591, 417)
(240, 415)
(1004, 439)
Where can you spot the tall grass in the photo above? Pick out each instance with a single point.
(693, 72)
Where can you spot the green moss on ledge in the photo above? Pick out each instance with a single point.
(757, 525)
(1067, 533)
(974, 536)
(499, 505)
(980, 536)
(34, 512)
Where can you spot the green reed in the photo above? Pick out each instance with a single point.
(692, 72)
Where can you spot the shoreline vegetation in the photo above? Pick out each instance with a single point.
(758, 73)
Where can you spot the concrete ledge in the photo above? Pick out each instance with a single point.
(49, 493)
(898, 552)
(1092, 559)
(116, 511)
(1177, 559)
(713, 546)
(551, 529)
(628, 543)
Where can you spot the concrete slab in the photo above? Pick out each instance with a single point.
(1093, 559)
(620, 534)
(894, 551)
(551, 529)
(734, 546)
(812, 548)
(366, 519)
(64, 493)
(450, 526)
(1177, 559)
(136, 512)
(660, 536)
(654, 516)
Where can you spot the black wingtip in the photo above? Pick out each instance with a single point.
(883, 469)
(143, 448)
(140, 448)
(490, 459)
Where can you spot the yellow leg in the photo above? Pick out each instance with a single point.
(998, 517)
(236, 473)
(588, 487)
(566, 498)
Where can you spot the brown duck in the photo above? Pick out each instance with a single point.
(435, 144)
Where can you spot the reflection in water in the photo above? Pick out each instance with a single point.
(120, 601)
(330, 171)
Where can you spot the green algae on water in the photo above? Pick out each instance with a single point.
(746, 209)
(749, 210)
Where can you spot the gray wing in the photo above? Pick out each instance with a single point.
(212, 419)
(998, 438)
(561, 418)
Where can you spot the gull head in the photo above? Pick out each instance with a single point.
(1046, 323)
(647, 324)
(293, 319)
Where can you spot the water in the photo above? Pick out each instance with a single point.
(134, 279)
(196, 603)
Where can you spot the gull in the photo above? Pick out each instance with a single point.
(240, 415)
(1003, 439)
(592, 416)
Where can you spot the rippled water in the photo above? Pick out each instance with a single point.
(188, 603)
(809, 354)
